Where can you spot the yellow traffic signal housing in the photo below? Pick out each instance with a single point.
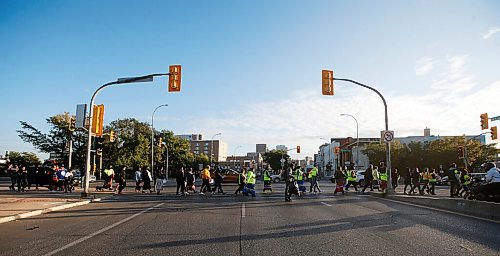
(174, 78)
(327, 82)
(72, 123)
(298, 149)
(112, 136)
(98, 120)
(160, 141)
(494, 133)
(484, 121)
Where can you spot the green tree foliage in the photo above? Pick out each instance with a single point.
(273, 158)
(23, 158)
(56, 139)
(132, 145)
(432, 154)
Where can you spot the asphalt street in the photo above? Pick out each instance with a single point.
(316, 224)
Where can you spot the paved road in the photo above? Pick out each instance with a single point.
(227, 225)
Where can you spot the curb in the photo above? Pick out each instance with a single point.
(51, 209)
(481, 209)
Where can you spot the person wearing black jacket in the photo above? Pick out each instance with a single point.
(181, 179)
(218, 183)
(454, 179)
(368, 179)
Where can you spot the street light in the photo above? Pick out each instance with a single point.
(234, 155)
(152, 143)
(212, 148)
(329, 149)
(127, 80)
(357, 138)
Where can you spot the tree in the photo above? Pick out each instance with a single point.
(23, 158)
(132, 145)
(274, 156)
(432, 154)
(56, 139)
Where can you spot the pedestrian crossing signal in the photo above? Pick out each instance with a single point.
(298, 149)
(174, 78)
(327, 82)
(461, 153)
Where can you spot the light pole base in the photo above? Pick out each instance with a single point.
(85, 195)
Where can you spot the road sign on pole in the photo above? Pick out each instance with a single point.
(387, 136)
(81, 112)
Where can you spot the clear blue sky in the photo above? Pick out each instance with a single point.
(251, 69)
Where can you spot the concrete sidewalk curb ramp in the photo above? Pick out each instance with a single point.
(482, 209)
(51, 209)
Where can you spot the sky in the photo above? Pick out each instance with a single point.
(251, 70)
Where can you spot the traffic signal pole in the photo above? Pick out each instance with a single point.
(387, 144)
(147, 78)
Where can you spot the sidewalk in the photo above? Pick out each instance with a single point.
(14, 205)
(481, 209)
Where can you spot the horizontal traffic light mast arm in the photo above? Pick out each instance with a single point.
(373, 89)
(146, 78)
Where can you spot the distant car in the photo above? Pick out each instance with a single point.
(229, 176)
(276, 178)
(442, 180)
(478, 176)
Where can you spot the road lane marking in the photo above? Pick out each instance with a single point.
(326, 204)
(243, 210)
(100, 231)
(440, 210)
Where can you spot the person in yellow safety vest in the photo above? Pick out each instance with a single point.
(383, 180)
(351, 180)
(267, 180)
(465, 182)
(432, 182)
(250, 187)
(314, 180)
(299, 177)
(425, 180)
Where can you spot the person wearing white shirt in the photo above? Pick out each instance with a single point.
(493, 180)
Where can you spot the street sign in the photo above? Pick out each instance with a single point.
(81, 112)
(496, 118)
(282, 160)
(387, 136)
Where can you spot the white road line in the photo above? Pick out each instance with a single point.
(100, 231)
(440, 210)
(326, 204)
(243, 210)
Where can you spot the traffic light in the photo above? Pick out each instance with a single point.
(494, 133)
(174, 78)
(298, 149)
(98, 120)
(461, 152)
(327, 82)
(337, 150)
(484, 121)
(112, 136)
(72, 124)
(160, 141)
